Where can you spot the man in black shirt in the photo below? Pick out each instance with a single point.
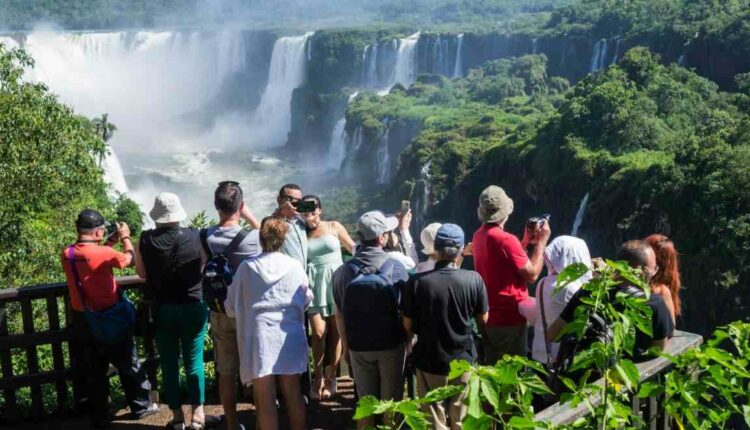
(638, 254)
(438, 307)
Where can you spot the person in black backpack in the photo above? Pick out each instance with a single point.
(638, 254)
(226, 245)
(367, 291)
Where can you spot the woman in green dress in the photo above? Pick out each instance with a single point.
(325, 241)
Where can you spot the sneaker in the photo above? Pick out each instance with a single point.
(315, 388)
(152, 409)
(330, 388)
(175, 425)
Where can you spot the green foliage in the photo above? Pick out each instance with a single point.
(48, 172)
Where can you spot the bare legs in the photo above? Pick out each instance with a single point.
(228, 396)
(325, 336)
(264, 391)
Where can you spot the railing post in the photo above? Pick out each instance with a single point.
(74, 352)
(58, 362)
(27, 315)
(10, 411)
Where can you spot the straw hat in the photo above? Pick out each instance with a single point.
(427, 237)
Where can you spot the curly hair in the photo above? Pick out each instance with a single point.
(272, 233)
(669, 267)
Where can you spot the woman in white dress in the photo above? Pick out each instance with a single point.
(268, 298)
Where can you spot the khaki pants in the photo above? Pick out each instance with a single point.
(226, 351)
(427, 382)
(379, 373)
(498, 341)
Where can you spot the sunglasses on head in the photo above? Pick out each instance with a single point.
(233, 183)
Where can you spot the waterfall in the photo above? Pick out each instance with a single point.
(458, 66)
(616, 57)
(579, 215)
(9, 42)
(406, 61)
(682, 61)
(113, 174)
(440, 56)
(272, 117)
(337, 148)
(421, 196)
(353, 142)
(533, 46)
(231, 54)
(383, 171)
(598, 56)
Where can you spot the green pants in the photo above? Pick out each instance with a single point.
(180, 328)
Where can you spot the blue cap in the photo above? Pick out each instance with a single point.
(449, 235)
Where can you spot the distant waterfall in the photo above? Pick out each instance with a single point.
(383, 171)
(682, 61)
(441, 64)
(421, 196)
(579, 215)
(598, 57)
(113, 174)
(9, 42)
(458, 65)
(406, 61)
(533, 46)
(337, 149)
(272, 117)
(618, 41)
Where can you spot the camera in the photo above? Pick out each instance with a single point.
(305, 206)
(111, 227)
(537, 221)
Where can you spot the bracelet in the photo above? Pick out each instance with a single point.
(126, 237)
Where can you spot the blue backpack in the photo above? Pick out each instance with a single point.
(218, 272)
(371, 312)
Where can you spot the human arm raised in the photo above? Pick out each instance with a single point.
(538, 238)
(248, 216)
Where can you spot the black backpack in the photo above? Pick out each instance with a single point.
(218, 272)
(597, 330)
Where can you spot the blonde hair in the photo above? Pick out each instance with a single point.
(272, 233)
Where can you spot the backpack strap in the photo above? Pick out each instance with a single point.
(235, 243)
(76, 276)
(204, 242)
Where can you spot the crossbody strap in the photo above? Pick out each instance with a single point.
(204, 242)
(76, 276)
(544, 322)
(235, 243)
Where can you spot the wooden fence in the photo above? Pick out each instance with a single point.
(37, 333)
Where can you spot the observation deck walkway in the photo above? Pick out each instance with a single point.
(40, 396)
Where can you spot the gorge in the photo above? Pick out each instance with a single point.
(420, 113)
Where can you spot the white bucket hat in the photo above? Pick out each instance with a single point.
(167, 209)
(427, 237)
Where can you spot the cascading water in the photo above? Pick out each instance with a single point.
(337, 149)
(113, 174)
(458, 66)
(165, 91)
(421, 197)
(272, 117)
(406, 61)
(353, 142)
(533, 46)
(440, 56)
(682, 61)
(579, 215)
(598, 57)
(383, 168)
(616, 57)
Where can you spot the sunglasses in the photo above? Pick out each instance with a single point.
(233, 183)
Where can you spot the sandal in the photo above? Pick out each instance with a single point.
(315, 388)
(330, 389)
(209, 422)
(175, 425)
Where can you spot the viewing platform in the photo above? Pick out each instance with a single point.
(45, 315)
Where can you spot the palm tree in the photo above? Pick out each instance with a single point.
(103, 129)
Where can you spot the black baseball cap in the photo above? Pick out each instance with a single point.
(89, 219)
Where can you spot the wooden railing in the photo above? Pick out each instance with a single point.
(49, 329)
(650, 409)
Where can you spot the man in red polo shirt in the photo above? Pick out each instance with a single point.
(90, 357)
(501, 260)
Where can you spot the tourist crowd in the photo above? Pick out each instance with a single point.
(265, 290)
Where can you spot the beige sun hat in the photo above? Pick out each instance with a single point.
(167, 209)
(494, 205)
(427, 237)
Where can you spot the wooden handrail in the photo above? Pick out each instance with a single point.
(58, 288)
(560, 414)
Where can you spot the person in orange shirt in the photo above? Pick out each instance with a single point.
(90, 264)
